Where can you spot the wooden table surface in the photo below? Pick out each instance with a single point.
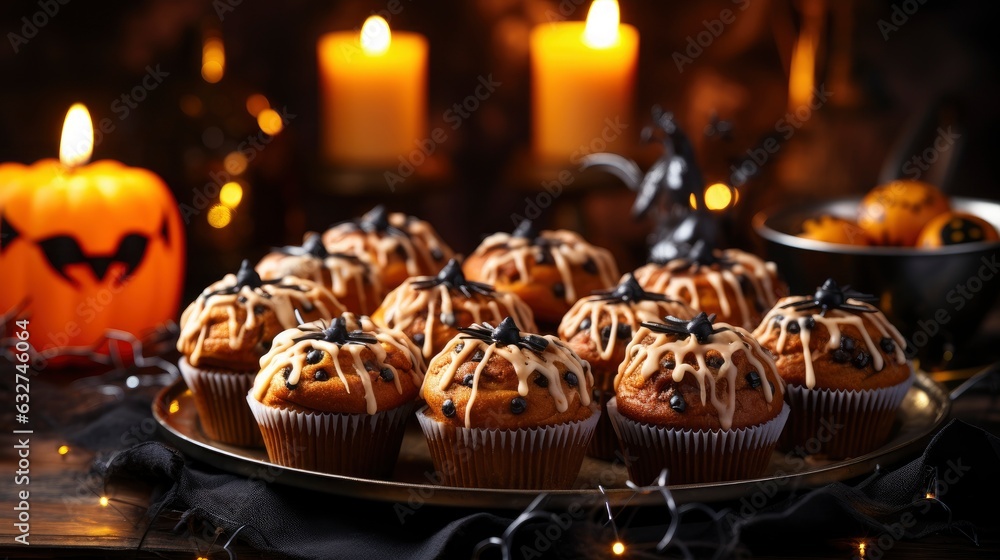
(68, 520)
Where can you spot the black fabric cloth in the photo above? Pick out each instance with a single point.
(303, 524)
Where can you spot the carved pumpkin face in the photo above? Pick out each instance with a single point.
(83, 251)
(952, 228)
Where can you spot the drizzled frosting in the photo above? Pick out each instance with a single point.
(695, 339)
(378, 236)
(628, 304)
(676, 279)
(808, 312)
(438, 299)
(348, 333)
(246, 294)
(343, 274)
(563, 249)
(527, 354)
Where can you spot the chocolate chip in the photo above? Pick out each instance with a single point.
(571, 379)
(370, 366)
(436, 254)
(668, 364)
(847, 343)
(386, 374)
(810, 323)
(478, 356)
(242, 299)
(544, 257)
(448, 319)
(753, 379)
(266, 345)
(459, 347)
(308, 308)
(862, 360)
(321, 375)
(559, 290)
(585, 324)
(418, 339)
(448, 408)
(517, 405)
(793, 327)
(314, 356)
(778, 319)
(541, 380)
(401, 251)
(624, 331)
(841, 356)
(259, 309)
(715, 362)
(590, 267)
(888, 345)
(677, 402)
(285, 373)
(606, 333)
(467, 380)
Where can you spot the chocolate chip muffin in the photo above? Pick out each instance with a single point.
(335, 397)
(549, 270)
(736, 286)
(599, 327)
(356, 283)
(700, 398)
(398, 245)
(534, 390)
(224, 333)
(430, 309)
(845, 367)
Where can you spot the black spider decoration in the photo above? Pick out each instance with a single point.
(247, 277)
(313, 247)
(336, 333)
(627, 291)
(700, 327)
(377, 220)
(505, 334)
(525, 230)
(451, 276)
(831, 296)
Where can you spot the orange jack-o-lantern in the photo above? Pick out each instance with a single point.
(894, 213)
(952, 228)
(832, 229)
(87, 248)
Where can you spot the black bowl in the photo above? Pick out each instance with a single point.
(936, 297)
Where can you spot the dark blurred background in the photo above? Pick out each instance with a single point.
(883, 63)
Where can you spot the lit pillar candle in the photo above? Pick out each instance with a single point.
(374, 94)
(86, 248)
(583, 77)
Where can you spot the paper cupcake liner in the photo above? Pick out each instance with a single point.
(604, 444)
(542, 458)
(840, 423)
(694, 456)
(220, 398)
(364, 445)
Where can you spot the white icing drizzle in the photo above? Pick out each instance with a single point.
(834, 320)
(405, 304)
(421, 240)
(646, 358)
(525, 363)
(568, 249)
(629, 313)
(339, 274)
(284, 298)
(677, 282)
(285, 352)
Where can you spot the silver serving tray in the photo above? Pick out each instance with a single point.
(924, 409)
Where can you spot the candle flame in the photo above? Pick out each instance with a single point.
(601, 30)
(77, 142)
(861, 549)
(375, 35)
(802, 70)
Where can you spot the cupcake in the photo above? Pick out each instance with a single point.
(845, 367)
(599, 327)
(336, 398)
(400, 246)
(355, 282)
(225, 331)
(549, 270)
(699, 398)
(736, 286)
(507, 409)
(429, 309)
